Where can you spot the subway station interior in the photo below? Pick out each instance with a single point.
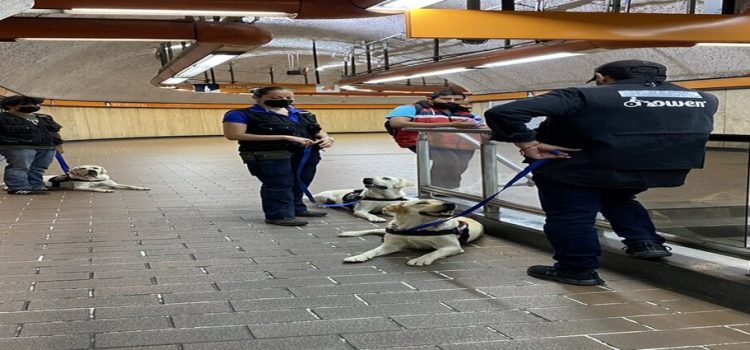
(184, 260)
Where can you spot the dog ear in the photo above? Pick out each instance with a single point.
(396, 208)
(79, 171)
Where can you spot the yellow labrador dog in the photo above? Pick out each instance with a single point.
(91, 178)
(445, 239)
(379, 193)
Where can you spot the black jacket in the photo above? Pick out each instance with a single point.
(18, 131)
(631, 134)
(275, 124)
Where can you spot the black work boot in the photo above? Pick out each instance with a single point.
(648, 250)
(286, 222)
(551, 273)
(311, 214)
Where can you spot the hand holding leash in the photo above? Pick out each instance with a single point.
(300, 140)
(544, 151)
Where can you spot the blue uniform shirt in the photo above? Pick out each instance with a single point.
(239, 117)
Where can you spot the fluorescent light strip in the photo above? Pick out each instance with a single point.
(172, 81)
(530, 59)
(204, 64)
(418, 75)
(334, 65)
(724, 44)
(402, 5)
(96, 39)
(354, 88)
(176, 12)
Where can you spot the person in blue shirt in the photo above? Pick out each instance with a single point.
(272, 135)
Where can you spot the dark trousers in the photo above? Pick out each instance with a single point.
(571, 213)
(448, 165)
(280, 192)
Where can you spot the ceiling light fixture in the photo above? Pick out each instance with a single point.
(334, 65)
(206, 63)
(393, 6)
(724, 44)
(530, 59)
(418, 75)
(172, 81)
(166, 12)
(354, 88)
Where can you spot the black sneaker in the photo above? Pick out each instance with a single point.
(648, 250)
(27, 192)
(585, 278)
(311, 214)
(286, 222)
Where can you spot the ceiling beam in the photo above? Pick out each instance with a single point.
(305, 9)
(550, 25)
(225, 33)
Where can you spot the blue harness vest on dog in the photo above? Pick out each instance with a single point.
(462, 231)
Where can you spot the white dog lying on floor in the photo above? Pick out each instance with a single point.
(445, 239)
(87, 178)
(379, 193)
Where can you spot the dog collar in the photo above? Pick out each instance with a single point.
(385, 199)
(356, 195)
(462, 231)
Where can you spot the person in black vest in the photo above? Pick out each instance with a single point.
(28, 141)
(273, 135)
(605, 145)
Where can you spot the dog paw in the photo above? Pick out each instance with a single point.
(356, 259)
(419, 262)
(377, 219)
(346, 234)
(144, 189)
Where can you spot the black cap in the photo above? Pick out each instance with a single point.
(626, 69)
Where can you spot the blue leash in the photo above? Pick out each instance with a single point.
(305, 157)
(531, 167)
(63, 165)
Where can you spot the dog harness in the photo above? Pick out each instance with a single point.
(462, 231)
(57, 180)
(351, 198)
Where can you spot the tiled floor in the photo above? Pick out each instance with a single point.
(191, 265)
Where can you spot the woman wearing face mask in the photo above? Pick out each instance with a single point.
(28, 142)
(272, 135)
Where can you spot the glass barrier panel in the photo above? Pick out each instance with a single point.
(712, 204)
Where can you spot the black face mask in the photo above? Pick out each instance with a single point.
(445, 105)
(278, 103)
(451, 106)
(28, 109)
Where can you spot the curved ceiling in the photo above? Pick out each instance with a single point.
(121, 71)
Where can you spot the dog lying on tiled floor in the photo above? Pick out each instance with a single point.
(445, 239)
(379, 192)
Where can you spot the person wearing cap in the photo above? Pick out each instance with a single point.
(450, 154)
(28, 141)
(606, 144)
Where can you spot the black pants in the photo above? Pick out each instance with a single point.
(280, 191)
(448, 165)
(571, 213)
